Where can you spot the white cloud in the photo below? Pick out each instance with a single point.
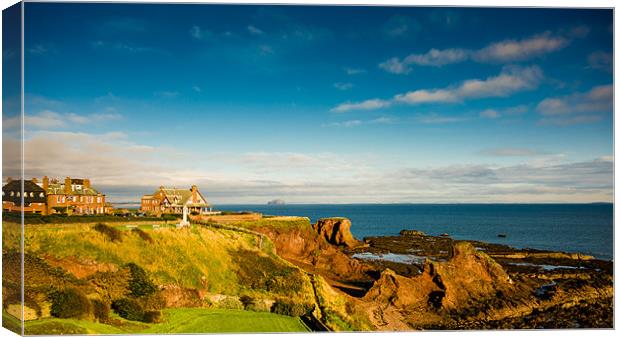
(510, 111)
(370, 104)
(357, 122)
(601, 60)
(438, 58)
(395, 66)
(255, 31)
(489, 113)
(520, 50)
(598, 99)
(265, 49)
(343, 86)
(354, 71)
(198, 33)
(499, 52)
(512, 152)
(48, 119)
(512, 79)
(435, 118)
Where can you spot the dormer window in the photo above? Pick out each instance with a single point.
(41, 195)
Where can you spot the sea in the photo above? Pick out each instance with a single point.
(583, 228)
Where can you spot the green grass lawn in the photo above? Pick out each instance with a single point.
(222, 320)
(185, 320)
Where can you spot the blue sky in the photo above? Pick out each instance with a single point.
(323, 104)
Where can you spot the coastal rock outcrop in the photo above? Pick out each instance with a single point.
(468, 276)
(336, 231)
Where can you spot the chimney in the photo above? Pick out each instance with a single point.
(46, 183)
(35, 180)
(67, 185)
(8, 179)
(87, 183)
(194, 194)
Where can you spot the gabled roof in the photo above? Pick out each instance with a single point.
(29, 187)
(179, 197)
(58, 188)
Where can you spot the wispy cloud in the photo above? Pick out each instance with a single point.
(577, 108)
(127, 47)
(47, 119)
(510, 111)
(197, 88)
(254, 30)
(343, 86)
(512, 152)
(166, 94)
(37, 49)
(499, 52)
(199, 33)
(358, 122)
(511, 79)
(370, 104)
(354, 71)
(435, 118)
(265, 49)
(401, 26)
(601, 60)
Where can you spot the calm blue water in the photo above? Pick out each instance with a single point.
(585, 228)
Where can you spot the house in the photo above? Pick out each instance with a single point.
(172, 201)
(72, 196)
(35, 200)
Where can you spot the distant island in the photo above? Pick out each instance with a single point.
(276, 202)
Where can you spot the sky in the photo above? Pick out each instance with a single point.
(320, 104)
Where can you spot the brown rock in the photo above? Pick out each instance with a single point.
(468, 276)
(336, 231)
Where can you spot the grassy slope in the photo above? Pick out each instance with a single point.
(177, 321)
(190, 258)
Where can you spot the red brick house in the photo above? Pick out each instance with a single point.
(72, 196)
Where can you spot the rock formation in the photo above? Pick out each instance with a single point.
(468, 276)
(336, 231)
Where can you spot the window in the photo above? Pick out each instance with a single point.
(32, 194)
(12, 193)
(19, 194)
(41, 194)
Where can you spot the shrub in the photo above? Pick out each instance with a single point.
(140, 285)
(143, 235)
(152, 317)
(101, 310)
(112, 233)
(290, 308)
(230, 303)
(69, 303)
(250, 303)
(129, 308)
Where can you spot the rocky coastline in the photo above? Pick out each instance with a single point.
(415, 281)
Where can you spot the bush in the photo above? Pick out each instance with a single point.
(69, 303)
(152, 317)
(143, 235)
(140, 285)
(230, 303)
(101, 310)
(129, 308)
(112, 233)
(290, 308)
(252, 304)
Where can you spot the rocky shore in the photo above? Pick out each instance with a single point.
(507, 288)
